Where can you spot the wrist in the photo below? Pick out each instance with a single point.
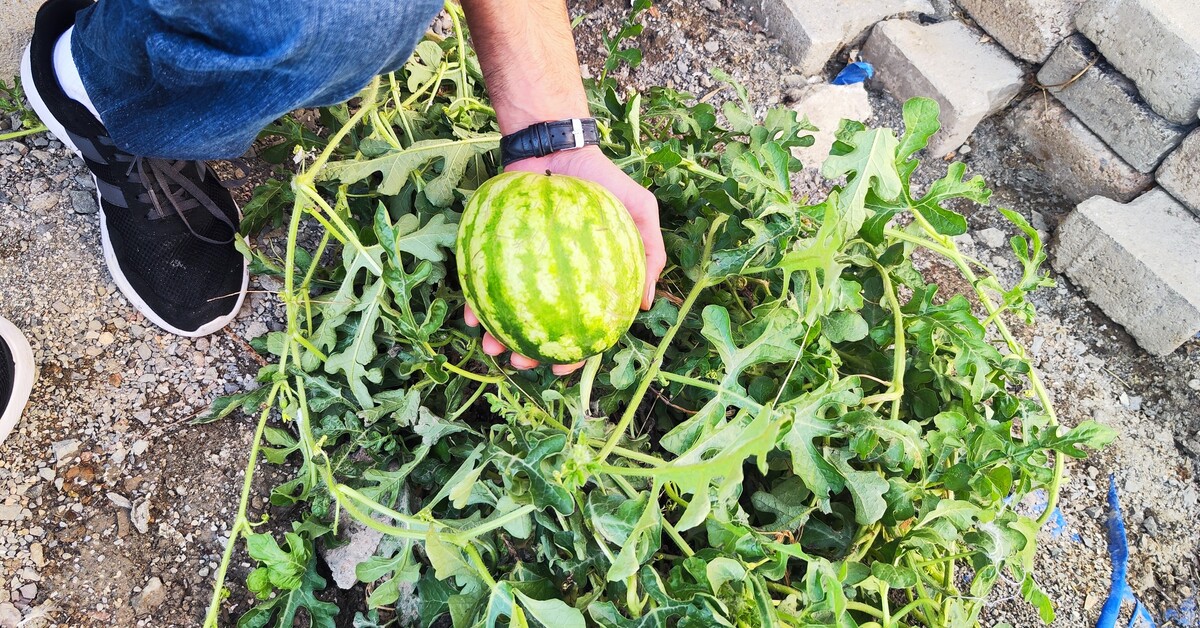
(513, 116)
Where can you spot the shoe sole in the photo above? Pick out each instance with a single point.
(23, 384)
(110, 259)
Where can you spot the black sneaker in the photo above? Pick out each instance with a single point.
(16, 376)
(167, 227)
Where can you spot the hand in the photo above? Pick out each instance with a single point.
(591, 164)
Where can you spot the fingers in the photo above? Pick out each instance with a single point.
(491, 346)
(522, 363)
(643, 208)
(494, 348)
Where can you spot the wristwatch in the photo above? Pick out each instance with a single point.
(543, 138)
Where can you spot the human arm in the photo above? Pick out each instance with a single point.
(528, 57)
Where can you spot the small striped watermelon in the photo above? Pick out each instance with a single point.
(552, 265)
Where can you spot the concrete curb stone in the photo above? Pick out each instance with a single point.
(16, 24)
(1180, 173)
(1074, 160)
(1109, 104)
(970, 79)
(1137, 262)
(812, 31)
(1156, 44)
(1029, 29)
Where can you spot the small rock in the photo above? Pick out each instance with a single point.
(1194, 384)
(37, 555)
(120, 500)
(65, 450)
(711, 46)
(11, 512)
(711, 5)
(150, 597)
(991, 237)
(83, 202)
(140, 517)
(964, 149)
(1150, 525)
(255, 329)
(10, 617)
(1133, 402)
(143, 416)
(794, 80)
(106, 339)
(29, 591)
(140, 447)
(46, 473)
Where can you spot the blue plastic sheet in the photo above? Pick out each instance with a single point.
(856, 72)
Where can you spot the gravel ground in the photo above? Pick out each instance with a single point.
(113, 509)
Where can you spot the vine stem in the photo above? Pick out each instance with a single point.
(1035, 381)
(240, 522)
(22, 133)
(651, 373)
(898, 350)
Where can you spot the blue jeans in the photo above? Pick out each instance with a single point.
(198, 79)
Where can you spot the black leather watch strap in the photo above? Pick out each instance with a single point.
(544, 138)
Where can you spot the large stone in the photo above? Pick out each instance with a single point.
(1156, 43)
(971, 80)
(812, 31)
(1029, 29)
(1074, 161)
(826, 106)
(1180, 173)
(16, 24)
(1109, 104)
(1140, 263)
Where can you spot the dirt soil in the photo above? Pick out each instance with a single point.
(114, 509)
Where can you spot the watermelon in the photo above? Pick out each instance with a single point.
(552, 265)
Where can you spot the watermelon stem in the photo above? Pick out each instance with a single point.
(655, 364)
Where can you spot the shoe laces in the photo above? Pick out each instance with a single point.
(171, 193)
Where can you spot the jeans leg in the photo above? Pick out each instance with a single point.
(198, 79)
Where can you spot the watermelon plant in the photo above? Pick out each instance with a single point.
(802, 430)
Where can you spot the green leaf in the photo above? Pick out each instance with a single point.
(845, 326)
(398, 165)
(550, 613)
(535, 467)
(866, 489)
(283, 609)
(895, 577)
(352, 360)
(428, 242)
(719, 456)
(870, 166)
(810, 414)
(1088, 434)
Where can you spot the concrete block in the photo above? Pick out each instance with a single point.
(1075, 162)
(812, 31)
(1180, 173)
(1109, 104)
(1140, 263)
(1029, 29)
(947, 62)
(16, 24)
(826, 106)
(1156, 44)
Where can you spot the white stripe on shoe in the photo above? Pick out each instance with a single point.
(23, 381)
